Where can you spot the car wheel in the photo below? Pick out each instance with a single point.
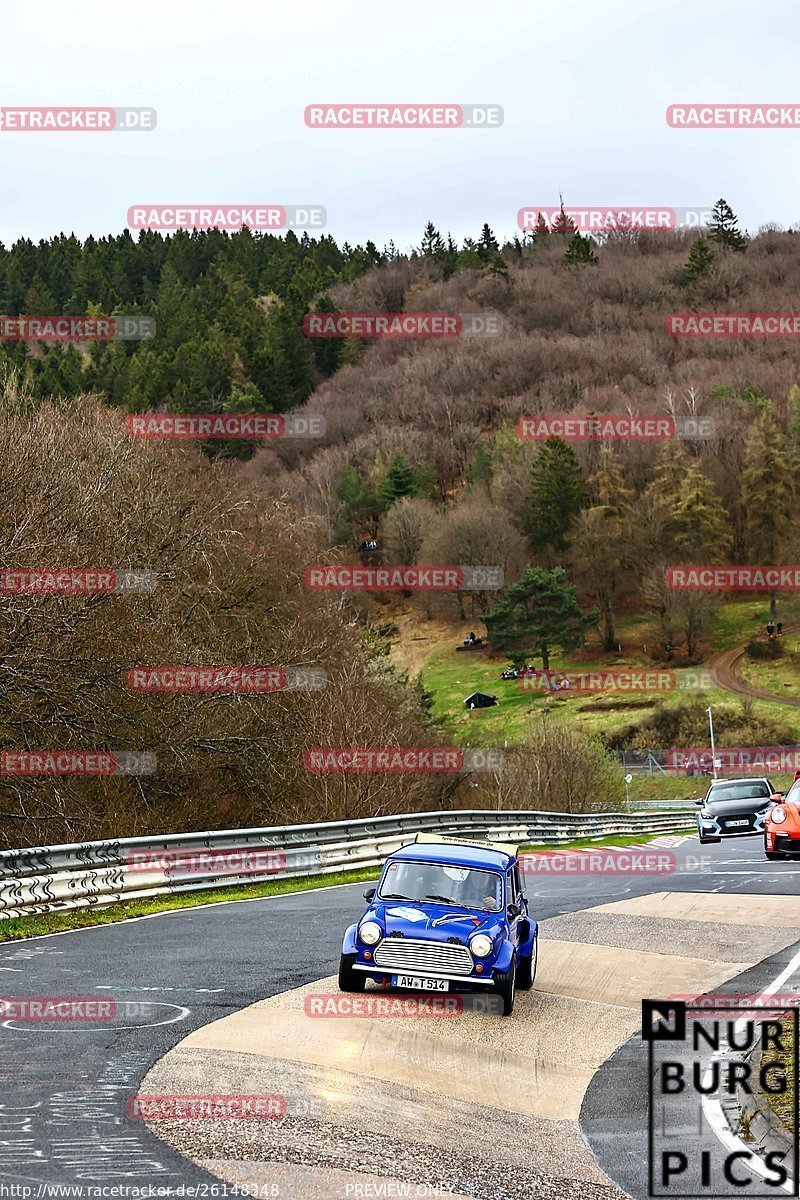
(505, 986)
(350, 980)
(706, 841)
(773, 855)
(526, 971)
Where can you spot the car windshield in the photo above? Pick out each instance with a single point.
(739, 791)
(442, 883)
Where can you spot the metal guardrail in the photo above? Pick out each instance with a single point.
(669, 805)
(95, 874)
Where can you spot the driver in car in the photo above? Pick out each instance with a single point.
(482, 891)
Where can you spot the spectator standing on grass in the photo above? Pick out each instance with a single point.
(780, 628)
(770, 628)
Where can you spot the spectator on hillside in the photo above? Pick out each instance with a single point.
(780, 628)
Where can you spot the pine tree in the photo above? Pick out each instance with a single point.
(724, 228)
(39, 300)
(698, 264)
(557, 494)
(480, 471)
(432, 245)
(794, 425)
(488, 246)
(357, 504)
(562, 223)
(398, 481)
(539, 610)
(701, 523)
(769, 496)
(426, 482)
(541, 230)
(580, 251)
(608, 484)
(469, 258)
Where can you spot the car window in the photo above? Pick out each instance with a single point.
(739, 791)
(442, 883)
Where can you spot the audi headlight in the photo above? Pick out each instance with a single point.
(481, 945)
(370, 932)
(778, 815)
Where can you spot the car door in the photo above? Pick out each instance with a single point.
(514, 896)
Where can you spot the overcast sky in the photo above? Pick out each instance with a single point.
(584, 87)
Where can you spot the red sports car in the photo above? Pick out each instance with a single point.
(782, 825)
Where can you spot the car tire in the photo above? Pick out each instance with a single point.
(774, 855)
(707, 841)
(526, 970)
(350, 980)
(505, 985)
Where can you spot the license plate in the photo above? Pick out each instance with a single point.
(418, 984)
(732, 823)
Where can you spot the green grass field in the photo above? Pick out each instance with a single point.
(451, 677)
(742, 620)
(779, 675)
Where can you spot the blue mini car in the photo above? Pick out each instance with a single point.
(447, 916)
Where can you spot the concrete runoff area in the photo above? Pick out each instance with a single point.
(473, 1104)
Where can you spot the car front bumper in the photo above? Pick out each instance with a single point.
(386, 973)
(712, 827)
(782, 843)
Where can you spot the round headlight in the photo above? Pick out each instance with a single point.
(778, 815)
(481, 945)
(370, 932)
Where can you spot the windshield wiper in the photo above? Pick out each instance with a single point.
(447, 900)
(397, 896)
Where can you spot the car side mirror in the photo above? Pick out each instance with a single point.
(369, 894)
(776, 798)
(701, 801)
(514, 910)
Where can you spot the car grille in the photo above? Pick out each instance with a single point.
(740, 823)
(411, 954)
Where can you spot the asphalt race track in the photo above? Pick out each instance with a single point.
(567, 1070)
